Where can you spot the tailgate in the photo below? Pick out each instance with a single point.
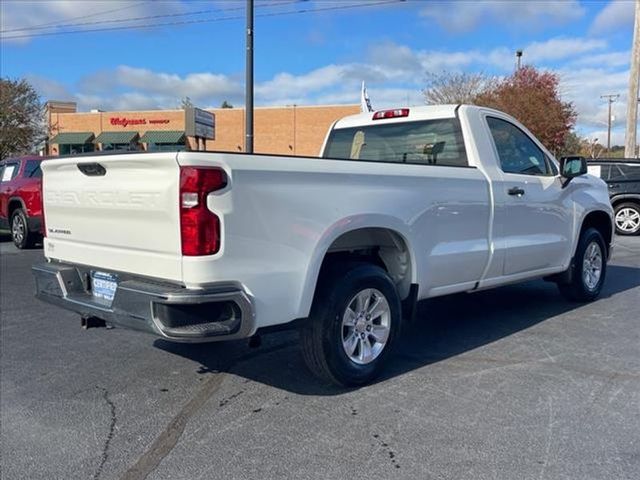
(120, 214)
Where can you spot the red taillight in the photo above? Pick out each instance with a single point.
(398, 112)
(199, 226)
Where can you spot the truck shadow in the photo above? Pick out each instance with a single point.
(444, 327)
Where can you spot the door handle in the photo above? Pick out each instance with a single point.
(517, 191)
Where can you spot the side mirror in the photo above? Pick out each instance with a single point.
(571, 167)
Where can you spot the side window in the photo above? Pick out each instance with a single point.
(9, 172)
(517, 152)
(32, 169)
(631, 172)
(618, 173)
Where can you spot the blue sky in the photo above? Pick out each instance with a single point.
(316, 57)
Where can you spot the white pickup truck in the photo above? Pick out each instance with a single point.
(401, 205)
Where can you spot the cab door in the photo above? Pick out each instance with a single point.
(535, 211)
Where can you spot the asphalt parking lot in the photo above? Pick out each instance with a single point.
(513, 383)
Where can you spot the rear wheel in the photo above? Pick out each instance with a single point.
(20, 234)
(627, 218)
(589, 268)
(354, 322)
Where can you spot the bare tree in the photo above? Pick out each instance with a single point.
(22, 128)
(451, 87)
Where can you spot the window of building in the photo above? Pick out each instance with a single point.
(76, 148)
(132, 147)
(516, 151)
(166, 147)
(428, 142)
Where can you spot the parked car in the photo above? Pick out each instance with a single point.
(21, 199)
(623, 179)
(402, 205)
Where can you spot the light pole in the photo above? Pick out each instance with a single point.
(248, 145)
(518, 59)
(610, 98)
(634, 80)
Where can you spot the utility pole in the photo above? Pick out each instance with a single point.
(519, 57)
(632, 97)
(610, 98)
(248, 145)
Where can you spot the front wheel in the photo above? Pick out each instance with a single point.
(589, 268)
(354, 322)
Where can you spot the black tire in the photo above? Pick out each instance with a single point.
(323, 334)
(20, 234)
(579, 289)
(632, 209)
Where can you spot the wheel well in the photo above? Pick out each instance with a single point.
(601, 222)
(618, 201)
(13, 206)
(380, 246)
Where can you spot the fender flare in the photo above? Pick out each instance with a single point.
(342, 227)
(625, 196)
(20, 201)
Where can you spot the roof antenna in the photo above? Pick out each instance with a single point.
(365, 103)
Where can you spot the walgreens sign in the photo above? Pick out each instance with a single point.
(125, 122)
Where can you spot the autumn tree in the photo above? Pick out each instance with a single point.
(21, 118)
(533, 97)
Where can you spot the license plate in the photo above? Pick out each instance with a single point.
(104, 285)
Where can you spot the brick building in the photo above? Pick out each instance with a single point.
(290, 130)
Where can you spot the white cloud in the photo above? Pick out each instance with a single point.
(561, 48)
(617, 137)
(616, 15)
(130, 88)
(463, 16)
(49, 89)
(584, 87)
(606, 60)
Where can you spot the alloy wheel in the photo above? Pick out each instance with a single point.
(592, 265)
(366, 325)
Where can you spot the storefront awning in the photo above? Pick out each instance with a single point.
(72, 138)
(168, 136)
(116, 137)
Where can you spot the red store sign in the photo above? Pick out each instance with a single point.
(125, 122)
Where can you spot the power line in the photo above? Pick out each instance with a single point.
(210, 20)
(53, 24)
(134, 19)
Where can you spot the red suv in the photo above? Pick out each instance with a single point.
(21, 199)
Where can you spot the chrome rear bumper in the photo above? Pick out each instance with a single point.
(217, 312)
